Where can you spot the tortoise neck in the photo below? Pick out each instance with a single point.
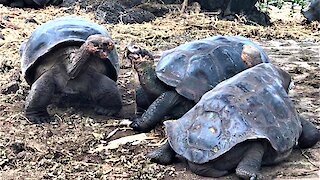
(148, 78)
(77, 60)
(143, 67)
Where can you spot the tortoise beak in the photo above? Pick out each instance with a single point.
(103, 54)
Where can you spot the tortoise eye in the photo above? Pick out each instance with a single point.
(95, 43)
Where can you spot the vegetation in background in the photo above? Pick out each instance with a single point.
(263, 4)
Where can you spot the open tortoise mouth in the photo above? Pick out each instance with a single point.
(136, 54)
(102, 53)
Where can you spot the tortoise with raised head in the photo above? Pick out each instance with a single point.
(186, 72)
(70, 56)
(244, 122)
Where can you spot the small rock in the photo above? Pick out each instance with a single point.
(31, 20)
(48, 134)
(21, 154)
(6, 18)
(15, 76)
(18, 147)
(10, 88)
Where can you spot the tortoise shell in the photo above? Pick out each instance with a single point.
(235, 6)
(251, 105)
(196, 67)
(312, 12)
(64, 31)
(41, 3)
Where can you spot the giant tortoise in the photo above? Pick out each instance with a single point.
(70, 56)
(186, 72)
(243, 123)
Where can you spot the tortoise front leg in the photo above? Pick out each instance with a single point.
(143, 99)
(156, 111)
(164, 155)
(105, 94)
(39, 98)
(249, 166)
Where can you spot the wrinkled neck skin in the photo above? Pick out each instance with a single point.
(148, 78)
(77, 60)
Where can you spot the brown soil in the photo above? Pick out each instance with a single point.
(72, 146)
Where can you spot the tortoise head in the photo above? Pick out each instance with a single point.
(99, 45)
(251, 56)
(137, 55)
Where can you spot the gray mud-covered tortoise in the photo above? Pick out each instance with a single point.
(186, 72)
(312, 13)
(243, 123)
(30, 3)
(70, 56)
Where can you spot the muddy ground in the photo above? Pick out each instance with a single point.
(75, 145)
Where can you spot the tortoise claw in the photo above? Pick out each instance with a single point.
(246, 174)
(104, 111)
(38, 117)
(136, 125)
(253, 178)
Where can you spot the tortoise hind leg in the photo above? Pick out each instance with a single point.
(310, 134)
(164, 155)
(156, 111)
(105, 94)
(39, 98)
